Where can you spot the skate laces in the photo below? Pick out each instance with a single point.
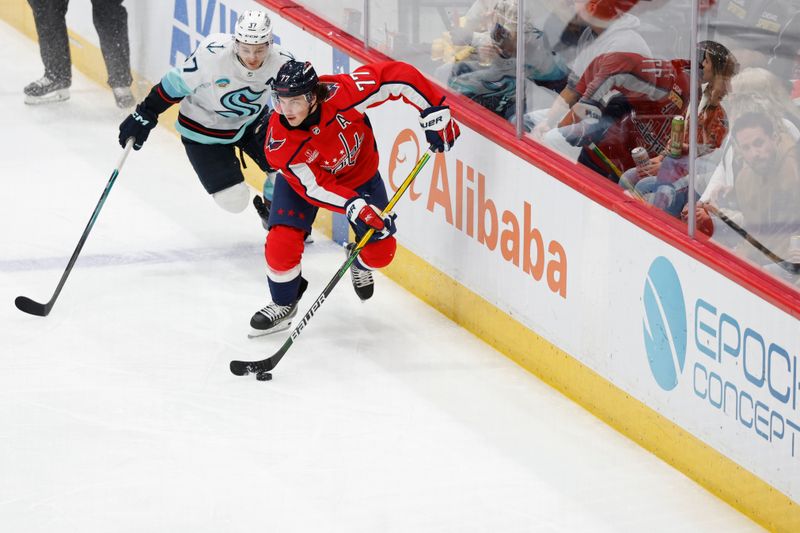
(45, 82)
(361, 278)
(45, 85)
(274, 311)
(42, 82)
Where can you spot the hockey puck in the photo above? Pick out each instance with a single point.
(263, 376)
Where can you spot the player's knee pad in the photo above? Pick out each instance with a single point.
(378, 254)
(284, 249)
(234, 199)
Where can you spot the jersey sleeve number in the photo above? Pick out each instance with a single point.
(361, 83)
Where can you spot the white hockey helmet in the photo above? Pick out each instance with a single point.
(254, 27)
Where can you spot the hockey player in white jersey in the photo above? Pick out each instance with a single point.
(223, 90)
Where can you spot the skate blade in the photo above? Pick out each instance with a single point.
(256, 333)
(52, 98)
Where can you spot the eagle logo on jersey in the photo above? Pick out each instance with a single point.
(333, 88)
(273, 144)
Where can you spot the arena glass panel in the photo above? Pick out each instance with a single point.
(607, 82)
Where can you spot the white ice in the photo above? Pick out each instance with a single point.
(118, 412)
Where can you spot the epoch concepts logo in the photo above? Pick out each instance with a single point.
(664, 323)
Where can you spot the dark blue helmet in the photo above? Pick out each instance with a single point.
(295, 78)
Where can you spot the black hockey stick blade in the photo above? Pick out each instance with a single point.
(26, 305)
(243, 368)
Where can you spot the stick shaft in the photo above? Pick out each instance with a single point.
(745, 234)
(49, 305)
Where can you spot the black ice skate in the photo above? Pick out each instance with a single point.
(123, 97)
(46, 91)
(274, 317)
(363, 282)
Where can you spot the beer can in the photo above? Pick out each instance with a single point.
(640, 157)
(676, 136)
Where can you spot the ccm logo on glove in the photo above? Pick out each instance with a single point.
(140, 119)
(137, 125)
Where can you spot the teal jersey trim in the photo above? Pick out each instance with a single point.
(173, 83)
(207, 139)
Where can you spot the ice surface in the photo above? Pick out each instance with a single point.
(118, 413)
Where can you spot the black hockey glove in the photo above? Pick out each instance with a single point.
(137, 125)
(441, 131)
(260, 124)
(262, 208)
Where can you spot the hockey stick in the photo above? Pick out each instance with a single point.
(617, 172)
(25, 304)
(775, 258)
(610, 164)
(262, 367)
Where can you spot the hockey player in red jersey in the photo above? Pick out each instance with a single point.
(322, 142)
(625, 100)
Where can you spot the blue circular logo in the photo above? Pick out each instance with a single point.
(664, 323)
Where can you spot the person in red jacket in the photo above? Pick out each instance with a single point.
(322, 143)
(625, 100)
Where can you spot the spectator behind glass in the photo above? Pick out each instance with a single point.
(609, 30)
(468, 41)
(753, 90)
(111, 22)
(563, 28)
(491, 80)
(765, 194)
(626, 101)
(663, 181)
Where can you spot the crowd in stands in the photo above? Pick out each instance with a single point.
(601, 87)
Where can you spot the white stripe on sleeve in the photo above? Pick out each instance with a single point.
(313, 188)
(389, 90)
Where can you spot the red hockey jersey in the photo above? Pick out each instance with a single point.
(325, 161)
(656, 90)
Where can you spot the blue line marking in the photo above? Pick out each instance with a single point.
(192, 255)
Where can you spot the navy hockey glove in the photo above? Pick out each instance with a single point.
(262, 208)
(441, 131)
(364, 217)
(137, 125)
(389, 228)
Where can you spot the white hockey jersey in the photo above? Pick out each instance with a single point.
(219, 97)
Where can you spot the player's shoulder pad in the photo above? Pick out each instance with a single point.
(344, 88)
(334, 84)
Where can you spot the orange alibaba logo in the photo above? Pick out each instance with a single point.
(400, 158)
